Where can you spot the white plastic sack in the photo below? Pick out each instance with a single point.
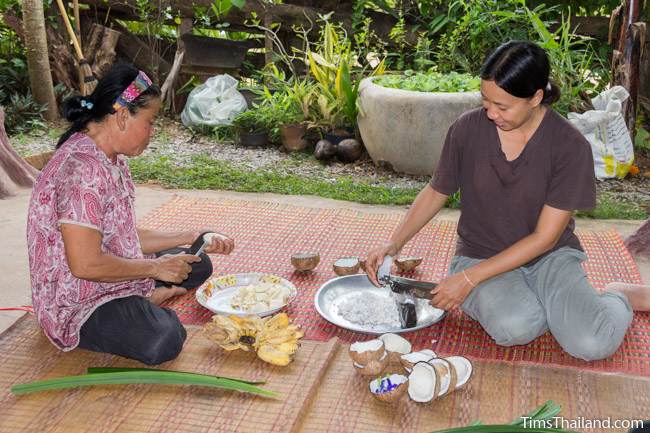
(214, 103)
(607, 133)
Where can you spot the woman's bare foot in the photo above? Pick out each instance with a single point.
(637, 294)
(161, 294)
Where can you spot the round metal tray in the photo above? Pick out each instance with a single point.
(332, 293)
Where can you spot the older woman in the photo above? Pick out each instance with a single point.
(96, 279)
(521, 169)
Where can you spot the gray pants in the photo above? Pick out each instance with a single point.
(553, 294)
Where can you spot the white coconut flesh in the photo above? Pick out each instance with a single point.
(395, 343)
(346, 262)
(463, 369)
(380, 360)
(362, 352)
(386, 384)
(415, 357)
(384, 268)
(207, 238)
(423, 384)
(446, 374)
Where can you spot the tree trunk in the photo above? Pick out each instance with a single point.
(62, 63)
(625, 60)
(38, 62)
(14, 171)
(639, 242)
(100, 48)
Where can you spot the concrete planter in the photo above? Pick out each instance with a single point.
(407, 129)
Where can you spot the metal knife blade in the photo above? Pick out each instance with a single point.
(417, 288)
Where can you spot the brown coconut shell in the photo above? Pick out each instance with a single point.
(394, 355)
(372, 368)
(461, 381)
(445, 368)
(304, 262)
(436, 378)
(325, 150)
(363, 357)
(342, 268)
(406, 264)
(349, 150)
(391, 396)
(408, 365)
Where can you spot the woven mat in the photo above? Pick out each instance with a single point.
(321, 392)
(27, 355)
(497, 392)
(267, 234)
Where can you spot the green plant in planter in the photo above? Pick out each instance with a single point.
(330, 63)
(301, 94)
(431, 81)
(253, 120)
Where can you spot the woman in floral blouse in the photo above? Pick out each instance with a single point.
(97, 280)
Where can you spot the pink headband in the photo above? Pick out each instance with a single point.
(133, 90)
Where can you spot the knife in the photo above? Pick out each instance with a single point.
(416, 288)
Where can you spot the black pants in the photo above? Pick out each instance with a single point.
(135, 328)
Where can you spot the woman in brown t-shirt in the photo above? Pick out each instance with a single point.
(522, 169)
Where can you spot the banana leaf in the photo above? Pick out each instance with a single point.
(141, 377)
(94, 370)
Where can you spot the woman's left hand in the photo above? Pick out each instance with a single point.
(221, 244)
(450, 292)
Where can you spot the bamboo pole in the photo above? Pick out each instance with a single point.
(89, 80)
(77, 25)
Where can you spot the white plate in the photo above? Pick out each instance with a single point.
(217, 295)
(336, 291)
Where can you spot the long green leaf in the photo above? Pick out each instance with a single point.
(140, 377)
(502, 428)
(95, 370)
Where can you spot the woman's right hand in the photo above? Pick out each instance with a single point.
(375, 258)
(174, 268)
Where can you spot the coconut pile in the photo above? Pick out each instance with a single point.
(429, 377)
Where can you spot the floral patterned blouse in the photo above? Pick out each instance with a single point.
(81, 186)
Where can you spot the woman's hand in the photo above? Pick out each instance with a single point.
(221, 244)
(451, 292)
(375, 258)
(174, 268)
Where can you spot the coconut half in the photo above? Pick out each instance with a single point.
(463, 368)
(424, 383)
(406, 264)
(410, 359)
(346, 266)
(373, 367)
(389, 389)
(304, 262)
(362, 352)
(446, 373)
(396, 346)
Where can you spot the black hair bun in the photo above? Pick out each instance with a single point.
(76, 109)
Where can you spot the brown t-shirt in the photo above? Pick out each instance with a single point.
(501, 200)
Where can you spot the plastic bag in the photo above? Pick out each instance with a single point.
(606, 131)
(214, 103)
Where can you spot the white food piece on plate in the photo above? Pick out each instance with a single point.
(259, 297)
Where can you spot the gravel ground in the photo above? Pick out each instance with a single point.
(180, 144)
(176, 141)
